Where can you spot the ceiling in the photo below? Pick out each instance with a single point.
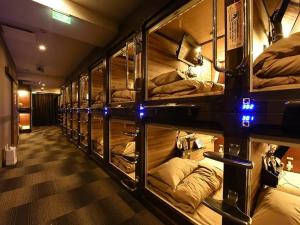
(26, 24)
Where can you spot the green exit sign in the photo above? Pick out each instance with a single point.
(61, 17)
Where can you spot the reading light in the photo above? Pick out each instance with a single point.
(42, 47)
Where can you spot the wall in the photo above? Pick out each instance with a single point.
(7, 109)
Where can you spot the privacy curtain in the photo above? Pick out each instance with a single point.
(44, 109)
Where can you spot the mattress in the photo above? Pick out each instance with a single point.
(277, 207)
(211, 93)
(202, 214)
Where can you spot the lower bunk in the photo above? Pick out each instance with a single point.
(179, 174)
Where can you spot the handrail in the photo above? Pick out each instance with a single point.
(245, 37)
(123, 182)
(229, 159)
(228, 208)
(127, 67)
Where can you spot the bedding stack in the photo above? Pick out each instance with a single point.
(177, 84)
(278, 64)
(97, 102)
(123, 96)
(186, 183)
(123, 156)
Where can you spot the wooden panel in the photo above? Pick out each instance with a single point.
(75, 121)
(84, 126)
(162, 56)
(97, 82)
(160, 145)
(74, 93)
(257, 151)
(197, 21)
(97, 127)
(116, 128)
(84, 89)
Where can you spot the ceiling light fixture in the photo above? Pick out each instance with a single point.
(42, 47)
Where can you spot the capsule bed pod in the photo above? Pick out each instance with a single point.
(179, 55)
(84, 112)
(275, 181)
(97, 104)
(178, 174)
(123, 154)
(125, 71)
(275, 46)
(97, 86)
(75, 113)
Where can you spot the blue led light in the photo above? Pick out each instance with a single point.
(141, 111)
(105, 110)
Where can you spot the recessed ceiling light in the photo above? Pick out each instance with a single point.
(43, 85)
(42, 47)
(42, 88)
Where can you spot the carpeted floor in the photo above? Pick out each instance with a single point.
(54, 183)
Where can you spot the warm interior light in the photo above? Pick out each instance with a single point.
(42, 47)
(42, 88)
(198, 49)
(23, 93)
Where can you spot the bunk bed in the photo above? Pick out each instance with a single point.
(275, 67)
(97, 86)
(121, 68)
(179, 55)
(122, 146)
(275, 196)
(179, 173)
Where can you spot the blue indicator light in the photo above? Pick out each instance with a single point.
(105, 110)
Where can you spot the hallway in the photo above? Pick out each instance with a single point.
(55, 183)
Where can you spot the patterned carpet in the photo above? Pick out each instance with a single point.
(54, 183)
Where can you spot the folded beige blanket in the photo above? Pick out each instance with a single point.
(186, 87)
(275, 81)
(125, 94)
(123, 164)
(279, 60)
(185, 183)
(124, 149)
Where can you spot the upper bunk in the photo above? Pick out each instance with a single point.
(179, 56)
(275, 47)
(74, 97)
(124, 72)
(98, 74)
(68, 96)
(84, 91)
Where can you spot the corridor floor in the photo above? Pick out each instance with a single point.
(54, 183)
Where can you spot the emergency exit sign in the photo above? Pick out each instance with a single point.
(61, 17)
